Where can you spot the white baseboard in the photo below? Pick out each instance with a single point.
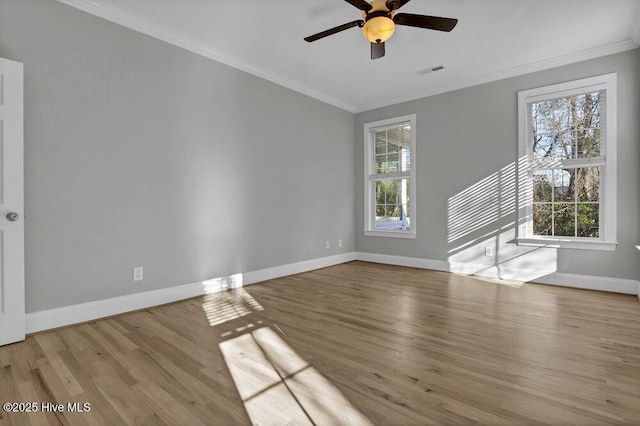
(589, 282)
(297, 268)
(74, 314)
(413, 262)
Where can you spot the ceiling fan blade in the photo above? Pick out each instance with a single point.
(360, 4)
(422, 21)
(396, 4)
(358, 23)
(377, 50)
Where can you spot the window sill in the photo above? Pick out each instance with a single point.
(568, 243)
(389, 234)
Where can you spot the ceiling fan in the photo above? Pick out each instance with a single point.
(380, 20)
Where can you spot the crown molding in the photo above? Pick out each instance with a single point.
(160, 32)
(513, 72)
(128, 20)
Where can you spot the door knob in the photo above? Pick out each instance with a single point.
(12, 216)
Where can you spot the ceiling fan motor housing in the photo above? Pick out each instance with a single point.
(379, 25)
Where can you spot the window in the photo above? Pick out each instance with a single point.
(390, 177)
(567, 175)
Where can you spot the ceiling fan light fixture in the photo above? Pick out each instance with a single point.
(379, 20)
(378, 29)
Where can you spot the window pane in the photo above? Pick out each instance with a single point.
(551, 129)
(391, 204)
(406, 160)
(565, 145)
(564, 185)
(550, 116)
(557, 198)
(393, 145)
(589, 220)
(542, 186)
(404, 136)
(381, 143)
(392, 149)
(564, 220)
(392, 139)
(556, 146)
(542, 219)
(407, 213)
(391, 165)
(567, 128)
(588, 141)
(380, 194)
(587, 108)
(588, 183)
(380, 163)
(542, 146)
(392, 192)
(587, 123)
(388, 220)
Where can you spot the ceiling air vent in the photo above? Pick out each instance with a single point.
(431, 69)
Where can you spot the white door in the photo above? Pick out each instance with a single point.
(12, 320)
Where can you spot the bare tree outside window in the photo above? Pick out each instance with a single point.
(566, 189)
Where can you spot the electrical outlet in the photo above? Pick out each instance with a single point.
(138, 273)
(328, 245)
(339, 243)
(488, 251)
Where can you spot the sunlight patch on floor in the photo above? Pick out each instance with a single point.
(495, 280)
(279, 387)
(216, 285)
(508, 264)
(226, 306)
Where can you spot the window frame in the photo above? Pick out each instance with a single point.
(608, 170)
(369, 182)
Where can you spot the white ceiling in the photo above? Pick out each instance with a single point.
(494, 39)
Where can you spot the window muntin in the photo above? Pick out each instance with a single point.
(392, 204)
(388, 177)
(566, 202)
(567, 149)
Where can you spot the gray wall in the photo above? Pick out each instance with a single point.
(138, 153)
(467, 143)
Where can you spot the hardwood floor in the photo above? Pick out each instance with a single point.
(357, 343)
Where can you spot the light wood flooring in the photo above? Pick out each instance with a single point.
(357, 343)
